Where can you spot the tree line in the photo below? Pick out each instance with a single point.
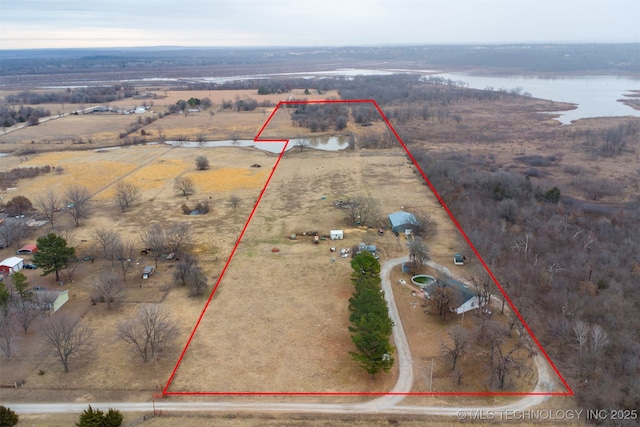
(570, 272)
(80, 95)
(10, 116)
(370, 326)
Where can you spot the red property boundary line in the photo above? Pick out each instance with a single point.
(165, 390)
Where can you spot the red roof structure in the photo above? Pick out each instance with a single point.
(28, 249)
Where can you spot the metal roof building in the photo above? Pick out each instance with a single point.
(401, 221)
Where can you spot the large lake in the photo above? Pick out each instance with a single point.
(595, 96)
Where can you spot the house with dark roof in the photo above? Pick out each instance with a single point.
(465, 298)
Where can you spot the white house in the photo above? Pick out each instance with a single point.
(336, 234)
(11, 265)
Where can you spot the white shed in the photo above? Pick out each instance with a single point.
(336, 234)
(11, 265)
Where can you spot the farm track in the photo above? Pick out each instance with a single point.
(132, 171)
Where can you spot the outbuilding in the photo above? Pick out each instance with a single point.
(28, 250)
(11, 265)
(401, 221)
(336, 234)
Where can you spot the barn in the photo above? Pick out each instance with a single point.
(11, 265)
(28, 250)
(401, 221)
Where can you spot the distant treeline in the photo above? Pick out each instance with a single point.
(82, 95)
(515, 58)
(10, 116)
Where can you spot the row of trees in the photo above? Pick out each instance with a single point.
(78, 95)
(10, 178)
(244, 104)
(371, 326)
(10, 116)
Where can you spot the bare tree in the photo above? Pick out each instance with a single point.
(423, 226)
(484, 289)
(177, 236)
(234, 201)
(49, 205)
(126, 194)
(155, 240)
(197, 281)
(181, 273)
(107, 288)
(13, 231)
(68, 337)
(418, 254)
(302, 143)
(148, 331)
(599, 342)
(581, 331)
(459, 341)
(7, 333)
(363, 210)
(107, 238)
(202, 163)
(184, 185)
(77, 199)
(124, 252)
(442, 300)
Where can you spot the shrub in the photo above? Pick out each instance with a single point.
(202, 163)
(7, 417)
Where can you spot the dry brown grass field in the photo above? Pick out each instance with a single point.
(278, 321)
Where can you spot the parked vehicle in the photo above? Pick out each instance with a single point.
(147, 271)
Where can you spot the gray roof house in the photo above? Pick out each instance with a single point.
(466, 299)
(401, 221)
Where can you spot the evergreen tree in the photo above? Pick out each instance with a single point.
(53, 254)
(91, 418)
(113, 418)
(96, 418)
(7, 417)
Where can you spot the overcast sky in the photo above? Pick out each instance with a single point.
(119, 23)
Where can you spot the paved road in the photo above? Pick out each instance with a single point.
(381, 405)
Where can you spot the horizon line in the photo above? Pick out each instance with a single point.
(328, 46)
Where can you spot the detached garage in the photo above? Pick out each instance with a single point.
(11, 265)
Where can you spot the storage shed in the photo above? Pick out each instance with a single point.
(401, 221)
(11, 265)
(336, 234)
(28, 250)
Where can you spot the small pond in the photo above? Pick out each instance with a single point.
(422, 280)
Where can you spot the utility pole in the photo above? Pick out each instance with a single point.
(431, 377)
